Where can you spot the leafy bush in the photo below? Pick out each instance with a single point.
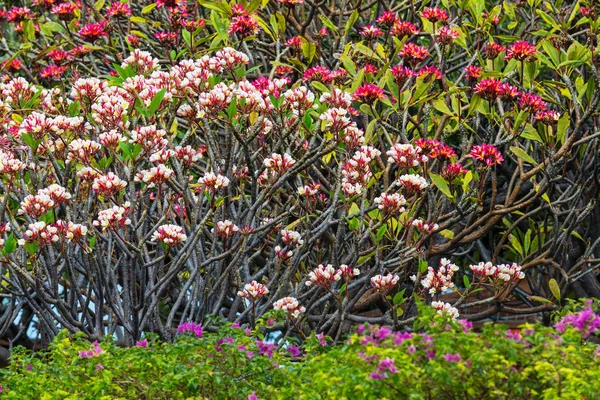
(337, 158)
(447, 360)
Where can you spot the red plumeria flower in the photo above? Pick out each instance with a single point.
(388, 19)
(520, 50)
(243, 26)
(447, 35)
(92, 32)
(493, 50)
(547, 116)
(319, 74)
(401, 74)
(487, 154)
(369, 93)
(404, 29)
(295, 42)
(53, 72)
(473, 72)
(118, 9)
(370, 69)
(291, 3)
(19, 14)
(434, 14)
(443, 152)
(370, 32)
(488, 89)
(413, 53)
(65, 11)
(453, 171)
(508, 91)
(430, 70)
(167, 38)
(531, 102)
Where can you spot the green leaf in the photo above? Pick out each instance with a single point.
(398, 298)
(31, 248)
(187, 37)
(10, 244)
(441, 184)
(319, 86)
(466, 281)
(554, 288)
(156, 101)
(350, 23)
(327, 22)
(521, 154)
(447, 233)
(381, 232)
(423, 265)
(138, 20)
(309, 50)
(539, 299)
(515, 244)
(148, 8)
(563, 124)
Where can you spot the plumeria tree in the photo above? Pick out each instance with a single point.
(163, 162)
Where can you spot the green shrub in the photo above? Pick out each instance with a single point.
(445, 360)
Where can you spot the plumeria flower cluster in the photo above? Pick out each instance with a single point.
(503, 273)
(253, 291)
(113, 218)
(290, 305)
(324, 276)
(169, 234)
(445, 309)
(440, 280)
(406, 156)
(384, 283)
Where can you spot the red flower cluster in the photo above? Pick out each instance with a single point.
(486, 153)
(243, 26)
(92, 32)
(520, 50)
(369, 93)
(434, 14)
(413, 53)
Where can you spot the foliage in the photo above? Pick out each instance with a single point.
(336, 157)
(446, 360)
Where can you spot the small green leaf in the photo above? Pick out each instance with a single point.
(148, 8)
(554, 288)
(327, 22)
(381, 232)
(156, 101)
(520, 153)
(423, 265)
(138, 20)
(466, 281)
(399, 298)
(539, 299)
(442, 185)
(10, 245)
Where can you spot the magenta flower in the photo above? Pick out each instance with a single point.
(191, 327)
(585, 321)
(452, 357)
(252, 396)
(95, 351)
(369, 93)
(142, 343)
(265, 349)
(487, 154)
(520, 50)
(294, 350)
